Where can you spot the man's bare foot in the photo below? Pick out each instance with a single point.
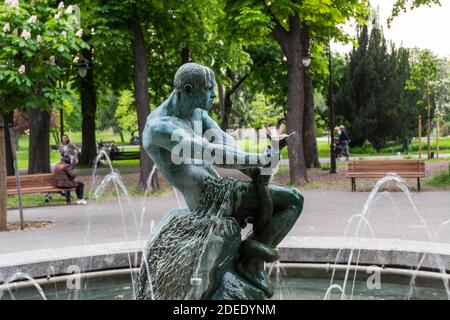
(253, 271)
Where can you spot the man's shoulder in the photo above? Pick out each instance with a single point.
(164, 124)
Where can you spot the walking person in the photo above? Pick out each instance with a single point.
(344, 142)
(65, 178)
(68, 148)
(337, 143)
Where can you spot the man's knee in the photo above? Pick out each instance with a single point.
(296, 200)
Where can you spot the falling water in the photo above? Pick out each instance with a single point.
(143, 203)
(363, 218)
(22, 275)
(331, 288)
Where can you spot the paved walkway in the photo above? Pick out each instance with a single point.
(325, 214)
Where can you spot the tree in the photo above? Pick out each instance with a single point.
(371, 97)
(283, 21)
(3, 196)
(36, 40)
(424, 74)
(126, 112)
(405, 5)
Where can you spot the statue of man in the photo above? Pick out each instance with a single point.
(185, 115)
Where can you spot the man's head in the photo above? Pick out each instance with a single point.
(195, 83)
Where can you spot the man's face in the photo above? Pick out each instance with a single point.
(210, 96)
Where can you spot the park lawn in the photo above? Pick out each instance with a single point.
(441, 179)
(38, 200)
(75, 137)
(248, 145)
(35, 200)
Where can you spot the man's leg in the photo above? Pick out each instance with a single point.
(287, 206)
(80, 190)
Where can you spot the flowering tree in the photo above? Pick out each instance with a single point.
(39, 41)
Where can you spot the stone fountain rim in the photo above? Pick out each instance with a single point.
(321, 250)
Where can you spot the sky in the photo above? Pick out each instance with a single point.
(424, 27)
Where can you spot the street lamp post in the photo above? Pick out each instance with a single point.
(331, 110)
(83, 67)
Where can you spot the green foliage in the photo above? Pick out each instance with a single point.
(38, 42)
(423, 74)
(445, 129)
(371, 98)
(405, 5)
(440, 179)
(263, 112)
(126, 112)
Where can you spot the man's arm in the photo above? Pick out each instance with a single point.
(70, 172)
(184, 145)
(211, 128)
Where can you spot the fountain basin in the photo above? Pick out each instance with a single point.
(297, 282)
(305, 270)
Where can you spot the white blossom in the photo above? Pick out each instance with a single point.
(61, 5)
(22, 69)
(32, 19)
(39, 39)
(13, 3)
(69, 9)
(52, 60)
(26, 35)
(79, 33)
(64, 34)
(76, 59)
(58, 15)
(6, 28)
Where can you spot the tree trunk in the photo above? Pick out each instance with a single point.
(309, 130)
(185, 55)
(142, 99)
(227, 102)
(9, 121)
(291, 46)
(39, 146)
(88, 111)
(227, 106)
(3, 197)
(221, 97)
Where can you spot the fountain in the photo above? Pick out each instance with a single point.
(198, 251)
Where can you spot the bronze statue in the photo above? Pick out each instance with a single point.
(197, 252)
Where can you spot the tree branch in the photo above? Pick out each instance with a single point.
(279, 33)
(238, 84)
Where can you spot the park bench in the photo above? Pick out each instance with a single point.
(36, 183)
(124, 155)
(368, 169)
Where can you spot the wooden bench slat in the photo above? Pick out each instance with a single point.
(380, 168)
(34, 183)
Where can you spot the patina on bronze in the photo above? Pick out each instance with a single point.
(197, 252)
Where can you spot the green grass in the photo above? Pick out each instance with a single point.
(107, 135)
(38, 200)
(247, 144)
(441, 179)
(35, 200)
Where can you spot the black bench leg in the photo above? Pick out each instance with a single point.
(418, 184)
(353, 184)
(68, 197)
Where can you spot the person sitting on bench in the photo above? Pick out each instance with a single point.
(65, 178)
